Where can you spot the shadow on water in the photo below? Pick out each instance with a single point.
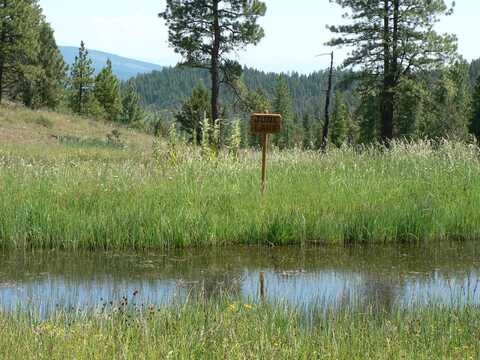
(326, 277)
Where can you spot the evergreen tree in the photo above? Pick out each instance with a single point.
(107, 92)
(205, 32)
(283, 105)
(474, 72)
(393, 38)
(340, 121)
(131, 110)
(451, 104)
(193, 112)
(250, 101)
(298, 132)
(368, 114)
(475, 122)
(45, 84)
(258, 101)
(353, 131)
(82, 82)
(411, 101)
(19, 45)
(307, 131)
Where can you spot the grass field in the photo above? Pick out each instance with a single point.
(70, 183)
(124, 193)
(234, 330)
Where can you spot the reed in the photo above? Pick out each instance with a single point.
(97, 197)
(235, 330)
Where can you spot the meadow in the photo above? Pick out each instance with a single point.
(67, 183)
(131, 191)
(235, 330)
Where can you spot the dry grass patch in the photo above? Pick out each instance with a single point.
(21, 126)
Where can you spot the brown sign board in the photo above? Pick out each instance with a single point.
(266, 123)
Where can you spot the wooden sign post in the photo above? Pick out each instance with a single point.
(265, 124)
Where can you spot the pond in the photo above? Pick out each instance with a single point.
(320, 276)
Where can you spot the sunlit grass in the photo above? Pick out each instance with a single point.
(117, 198)
(236, 330)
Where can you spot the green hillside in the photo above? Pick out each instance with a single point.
(167, 89)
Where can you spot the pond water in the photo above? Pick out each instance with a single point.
(327, 276)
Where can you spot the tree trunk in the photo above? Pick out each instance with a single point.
(387, 107)
(80, 93)
(326, 126)
(215, 63)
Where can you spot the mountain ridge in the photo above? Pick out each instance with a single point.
(124, 68)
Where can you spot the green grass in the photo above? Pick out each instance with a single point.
(59, 196)
(40, 120)
(90, 142)
(234, 330)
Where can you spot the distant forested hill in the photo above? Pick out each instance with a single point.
(168, 88)
(123, 68)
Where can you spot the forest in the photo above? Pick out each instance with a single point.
(445, 90)
(436, 96)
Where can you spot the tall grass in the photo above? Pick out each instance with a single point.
(107, 198)
(234, 330)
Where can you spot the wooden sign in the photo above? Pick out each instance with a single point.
(266, 123)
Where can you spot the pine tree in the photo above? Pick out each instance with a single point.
(107, 92)
(250, 101)
(391, 39)
(475, 122)
(82, 82)
(194, 110)
(131, 110)
(55, 69)
(451, 104)
(340, 121)
(474, 72)
(283, 105)
(307, 132)
(368, 114)
(19, 45)
(413, 108)
(45, 85)
(205, 32)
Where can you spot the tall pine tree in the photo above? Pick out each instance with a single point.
(205, 32)
(107, 92)
(19, 22)
(45, 85)
(390, 39)
(82, 82)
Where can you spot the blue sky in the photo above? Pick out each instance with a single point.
(295, 31)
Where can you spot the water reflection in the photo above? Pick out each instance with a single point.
(384, 277)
